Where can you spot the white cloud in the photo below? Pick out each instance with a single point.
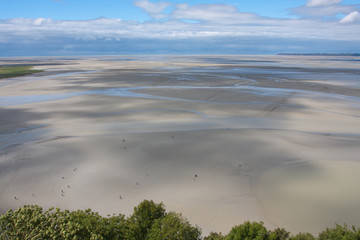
(39, 21)
(242, 26)
(190, 24)
(330, 12)
(351, 17)
(219, 20)
(203, 12)
(215, 12)
(153, 9)
(316, 3)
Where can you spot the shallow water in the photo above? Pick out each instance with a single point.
(130, 92)
(21, 135)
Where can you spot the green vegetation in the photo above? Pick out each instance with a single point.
(16, 71)
(149, 221)
(173, 227)
(144, 217)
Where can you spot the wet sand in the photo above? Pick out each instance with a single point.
(221, 139)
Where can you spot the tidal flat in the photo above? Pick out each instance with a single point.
(221, 139)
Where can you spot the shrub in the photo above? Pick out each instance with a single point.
(303, 236)
(279, 234)
(214, 236)
(248, 231)
(141, 221)
(340, 232)
(173, 227)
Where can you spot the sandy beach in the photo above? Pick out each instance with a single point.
(221, 139)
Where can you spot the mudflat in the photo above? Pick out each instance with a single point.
(221, 139)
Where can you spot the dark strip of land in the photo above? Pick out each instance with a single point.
(321, 54)
(16, 71)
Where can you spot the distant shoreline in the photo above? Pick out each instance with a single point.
(320, 54)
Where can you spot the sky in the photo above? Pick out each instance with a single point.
(110, 27)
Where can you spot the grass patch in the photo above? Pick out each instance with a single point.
(16, 71)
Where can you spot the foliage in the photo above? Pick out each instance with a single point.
(248, 231)
(173, 227)
(303, 236)
(149, 221)
(144, 216)
(340, 232)
(279, 234)
(16, 71)
(25, 223)
(31, 222)
(214, 236)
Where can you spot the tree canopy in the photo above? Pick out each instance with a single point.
(149, 221)
(173, 226)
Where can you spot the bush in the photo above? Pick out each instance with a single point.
(30, 222)
(303, 236)
(340, 232)
(279, 234)
(27, 222)
(143, 218)
(248, 231)
(149, 221)
(173, 227)
(214, 236)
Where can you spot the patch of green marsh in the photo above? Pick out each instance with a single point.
(16, 71)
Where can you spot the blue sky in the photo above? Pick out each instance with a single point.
(71, 27)
(125, 9)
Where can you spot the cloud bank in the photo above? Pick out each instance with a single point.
(187, 28)
(315, 3)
